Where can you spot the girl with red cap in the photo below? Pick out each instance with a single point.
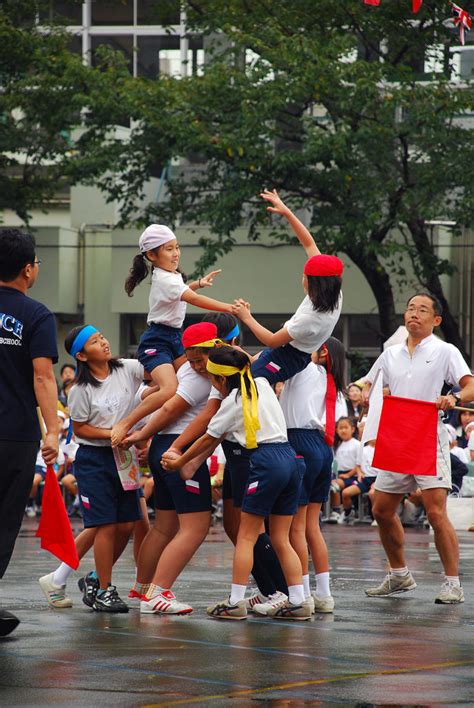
(289, 350)
(160, 350)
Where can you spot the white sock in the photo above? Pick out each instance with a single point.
(237, 593)
(400, 572)
(307, 589)
(61, 574)
(153, 591)
(296, 594)
(453, 580)
(322, 585)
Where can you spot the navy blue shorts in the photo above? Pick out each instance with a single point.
(274, 485)
(41, 471)
(173, 493)
(280, 364)
(364, 485)
(318, 460)
(103, 499)
(238, 466)
(226, 484)
(159, 344)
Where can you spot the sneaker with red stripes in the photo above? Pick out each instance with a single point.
(164, 603)
(256, 598)
(134, 595)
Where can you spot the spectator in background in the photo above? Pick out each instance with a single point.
(354, 400)
(67, 375)
(27, 353)
(465, 417)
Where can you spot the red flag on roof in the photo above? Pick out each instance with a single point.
(403, 424)
(54, 528)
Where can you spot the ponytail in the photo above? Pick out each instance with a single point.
(137, 273)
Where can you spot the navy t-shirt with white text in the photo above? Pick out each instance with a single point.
(27, 331)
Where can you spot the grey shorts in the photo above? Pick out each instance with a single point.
(396, 483)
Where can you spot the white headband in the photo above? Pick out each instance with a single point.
(155, 235)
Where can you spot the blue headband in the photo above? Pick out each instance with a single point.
(233, 333)
(81, 339)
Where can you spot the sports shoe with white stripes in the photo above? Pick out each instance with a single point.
(277, 599)
(255, 599)
(164, 603)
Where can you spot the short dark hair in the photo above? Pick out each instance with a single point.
(224, 321)
(324, 291)
(67, 366)
(83, 373)
(228, 356)
(17, 249)
(437, 306)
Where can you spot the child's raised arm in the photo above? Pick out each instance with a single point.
(300, 230)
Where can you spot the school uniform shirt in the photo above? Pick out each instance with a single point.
(309, 329)
(470, 447)
(194, 389)
(27, 332)
(347, 455)
(164, 303)
(303, 399)
(366, 461)
(109, 403)
(229, 418)
(422, 375)
(462, 453)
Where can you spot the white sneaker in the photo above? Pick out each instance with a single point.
(55, 594)
(450, 594)
(333, 517)
(324, 605)
(30, 511)
(310, 601)
(165, 603)
(255, 599)
(274, 601)
(348, 519)
(374, 523)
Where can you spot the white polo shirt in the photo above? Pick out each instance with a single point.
(420, 376)
(229, 418)
(309, 328)
(347, 455)
(164, 303)
(303, 398)
(194, 389)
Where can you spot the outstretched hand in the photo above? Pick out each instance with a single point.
(207, 281)
(241, 309)
(278, 206)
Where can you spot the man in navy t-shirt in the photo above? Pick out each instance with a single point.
(27, 353)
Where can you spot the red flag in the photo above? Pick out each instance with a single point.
(417, 5)
(54, 528)
(403, 424)
(372, 2)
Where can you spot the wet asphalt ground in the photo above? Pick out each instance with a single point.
(396, 651)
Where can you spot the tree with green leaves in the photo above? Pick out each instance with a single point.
(349, 110)
(48, 96)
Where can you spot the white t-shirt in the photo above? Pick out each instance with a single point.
(164, 303)
(422, 375)
(194, 389)
(462, 453)
(347, 455)
(105, 405)
(470, 446)
(309, 329)
(229, 418)
(366, 463)
(303, 398)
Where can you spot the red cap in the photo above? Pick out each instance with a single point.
(323, 265)
(197, 334)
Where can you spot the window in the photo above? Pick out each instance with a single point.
(68, 12)
(112, 12)
(158, 55)
(122, 43)
(158, 12)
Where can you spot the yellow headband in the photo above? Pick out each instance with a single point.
(249, 408)
(209, 344)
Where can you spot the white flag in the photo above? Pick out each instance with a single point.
(375, 409)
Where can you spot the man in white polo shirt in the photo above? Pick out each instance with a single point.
(418, 369)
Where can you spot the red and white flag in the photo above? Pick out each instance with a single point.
(463, 20)
(404, 424)
(54, 528)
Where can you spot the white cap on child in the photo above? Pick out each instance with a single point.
(155, 235)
